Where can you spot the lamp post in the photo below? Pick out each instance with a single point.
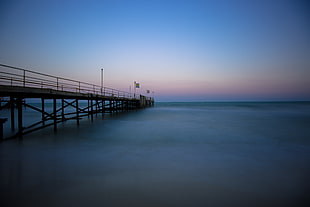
(101, 79)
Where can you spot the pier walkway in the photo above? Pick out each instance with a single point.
(58, 99)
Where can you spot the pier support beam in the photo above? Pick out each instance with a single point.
(43, 108)
(12, 107)
(2, 120)
(59, 113)
(62, 109)
(91, 110)
(20, 117)
(88, 108)
(110, 107)
(77, 112)
(102, 109)
(96, 108)
(55, 114)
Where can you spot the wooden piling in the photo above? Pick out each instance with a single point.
(91, 110)
(55, 114)
(77, 112)
(12, 107)
(62, 109)
(43, 110)
(2, 120)
(102, 109)
(20, 117)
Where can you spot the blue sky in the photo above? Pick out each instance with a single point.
(186, 50)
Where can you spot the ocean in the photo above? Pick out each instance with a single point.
(173, 154)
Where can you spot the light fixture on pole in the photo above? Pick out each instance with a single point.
(101, 79)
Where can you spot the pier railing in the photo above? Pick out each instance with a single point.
(15, 76)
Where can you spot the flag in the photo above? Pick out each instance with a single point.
(137, 85)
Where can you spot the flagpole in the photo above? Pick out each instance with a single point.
(134, 86)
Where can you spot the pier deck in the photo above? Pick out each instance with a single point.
(17, 85)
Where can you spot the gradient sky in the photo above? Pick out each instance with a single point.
(184, 50)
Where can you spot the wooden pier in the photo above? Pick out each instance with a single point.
(69, 99)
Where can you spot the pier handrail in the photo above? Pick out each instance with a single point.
(28, 78)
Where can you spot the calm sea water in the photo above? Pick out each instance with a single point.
(174, 154)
